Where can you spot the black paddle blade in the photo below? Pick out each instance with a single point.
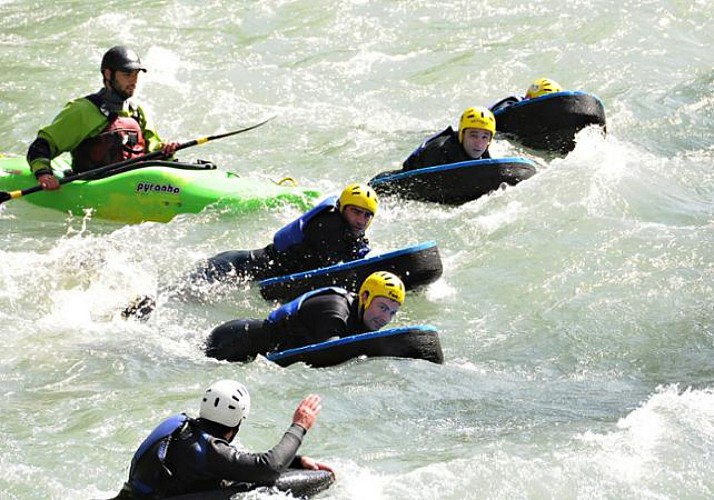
(4, 196)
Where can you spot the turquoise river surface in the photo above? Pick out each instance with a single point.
(576, 310)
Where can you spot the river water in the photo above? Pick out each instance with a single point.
(576, 310)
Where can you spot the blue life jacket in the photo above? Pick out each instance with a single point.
(293, 307)
(158, 442)
(292, 233)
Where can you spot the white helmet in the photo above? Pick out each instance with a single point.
(226, 402)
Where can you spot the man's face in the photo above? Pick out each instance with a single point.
(476, 141)
(357, 218)
(125, 82)
(379, 313)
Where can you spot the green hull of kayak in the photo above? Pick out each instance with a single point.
(154, 193)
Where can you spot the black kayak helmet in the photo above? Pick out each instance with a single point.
(121, 58)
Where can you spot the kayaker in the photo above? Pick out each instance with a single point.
(331, 232)
(185, 455)
(314, 317)
(102, 128)
(477, 126)
(539, 87)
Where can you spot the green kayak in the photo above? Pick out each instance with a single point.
(155, 191)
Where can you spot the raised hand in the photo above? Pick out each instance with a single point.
(307, 411)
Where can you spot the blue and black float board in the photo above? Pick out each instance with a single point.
(549, 122)
(300, 484)
(412, 342)
(417, 265)
(454, 183)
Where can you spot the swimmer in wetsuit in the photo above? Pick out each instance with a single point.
(330, 233)
(185, 455)
(477, 126)
(315, 316)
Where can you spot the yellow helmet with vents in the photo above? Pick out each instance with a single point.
(477, 117)
(541, 87)
(381, 284)
(359, 195)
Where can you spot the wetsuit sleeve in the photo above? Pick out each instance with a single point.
(39, 155)
(328, 240)
(415, 160)
(78, 120)
(435, 151)
(151, 136)
(326, 316)
(431, 156)
(227, 462)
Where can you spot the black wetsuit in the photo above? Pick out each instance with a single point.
(504, 103)
(319, 318)
(199, 461)
(441, 149)
(328, 240)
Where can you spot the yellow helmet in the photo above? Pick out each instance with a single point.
(541, 87)
(381, 284)
(477, 117)
(359, 195)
